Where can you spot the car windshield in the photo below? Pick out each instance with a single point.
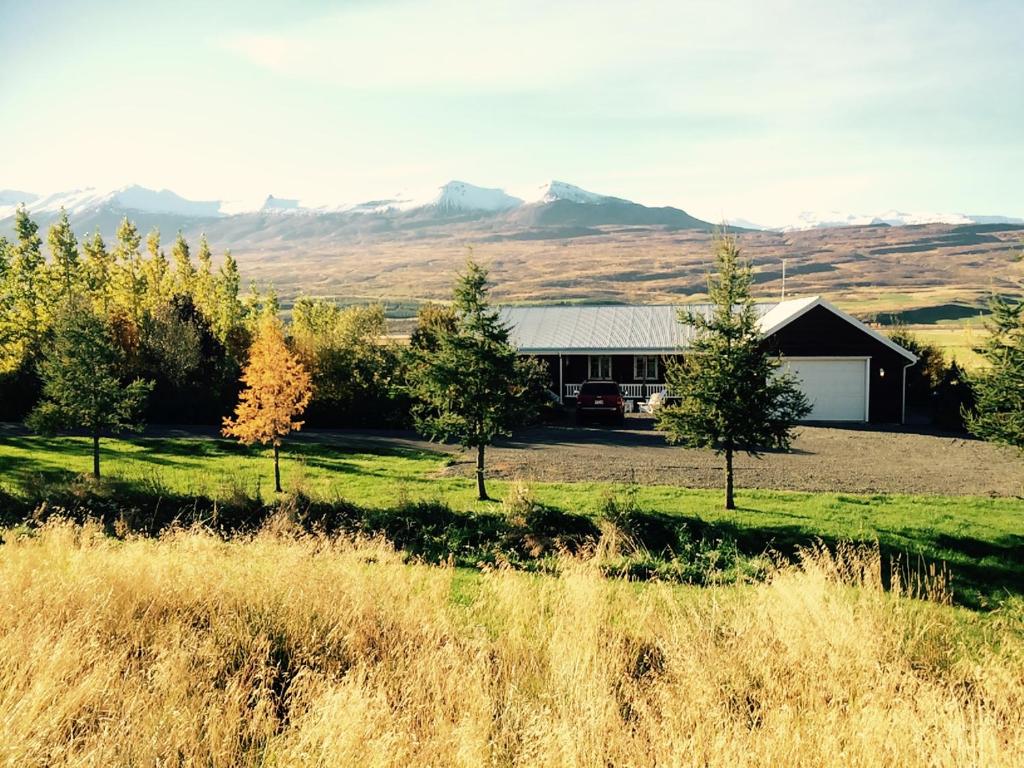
(600, 388)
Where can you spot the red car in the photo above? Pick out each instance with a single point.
(600, 398)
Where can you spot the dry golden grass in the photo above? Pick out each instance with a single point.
(280, 650)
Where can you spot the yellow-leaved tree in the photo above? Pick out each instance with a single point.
(277, 390)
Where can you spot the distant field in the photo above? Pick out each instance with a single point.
(869, 270)
(958, 340)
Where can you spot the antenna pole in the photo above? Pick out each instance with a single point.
(783, 279)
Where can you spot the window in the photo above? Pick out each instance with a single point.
(600, 367)
(645, 367)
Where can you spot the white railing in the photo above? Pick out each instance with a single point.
(632, 391)
(629, 391)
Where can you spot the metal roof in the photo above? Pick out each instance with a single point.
(652, 328)
(618, 328)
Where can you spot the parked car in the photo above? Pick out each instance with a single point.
(601, 399)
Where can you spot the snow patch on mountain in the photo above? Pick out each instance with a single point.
(458, 196)
(129, 198)
(893, 218)
(560, 190)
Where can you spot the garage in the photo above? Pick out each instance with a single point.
(849, 371)
(837, 388)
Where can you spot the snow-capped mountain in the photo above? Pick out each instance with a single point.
(460, 197)
(129, 198)
(554, 206)
(892, 218)
(559, 190)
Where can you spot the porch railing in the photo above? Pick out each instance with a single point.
(629, 391)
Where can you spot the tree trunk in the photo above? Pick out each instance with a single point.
(96, 456)
(480, 489)
(729, 502)
(277, 468)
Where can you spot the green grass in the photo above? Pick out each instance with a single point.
(981, 538)
(958, 340)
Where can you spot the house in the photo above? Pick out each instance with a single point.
(848, 371)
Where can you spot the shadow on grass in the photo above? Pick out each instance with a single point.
(667, 546)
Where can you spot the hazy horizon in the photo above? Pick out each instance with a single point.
(719, 109)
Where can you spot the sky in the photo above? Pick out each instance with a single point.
(754, 110)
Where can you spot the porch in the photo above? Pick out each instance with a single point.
(629, 391)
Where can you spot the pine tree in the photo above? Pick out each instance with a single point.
(64, 253)
(82, 388)
(129, 278)
(205, 288)
(229, 311)
(184, 269)
(473, 387)
(730, 396)
(998, 414)
(156, 273)
(26, 314)
(99, 271)
(276, 391)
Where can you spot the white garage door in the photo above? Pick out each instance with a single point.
(837, 389)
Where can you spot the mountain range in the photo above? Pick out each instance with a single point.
(556, 209)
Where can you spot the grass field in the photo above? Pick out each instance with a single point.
(959, 340)
(303, 651)
(979, 537)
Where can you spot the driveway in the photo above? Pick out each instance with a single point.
(824, 458)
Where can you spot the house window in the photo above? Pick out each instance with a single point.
(645, 368)
(600, 367)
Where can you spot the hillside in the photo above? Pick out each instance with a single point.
(564, 243)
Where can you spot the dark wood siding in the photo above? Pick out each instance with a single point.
(818, 333)
(822, 333)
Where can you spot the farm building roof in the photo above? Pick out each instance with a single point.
(652, 328)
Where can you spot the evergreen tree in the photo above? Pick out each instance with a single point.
(730, 395)
(26, 314)
(129, 278)
(998, 414)
(82, 388)
(99, 271)
(64, 254)
(205, 288)
(276, 391)
(156, 273)
(184, 269)
(473, 387)
(229, 312)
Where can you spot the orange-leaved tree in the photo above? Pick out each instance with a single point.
(277, 390)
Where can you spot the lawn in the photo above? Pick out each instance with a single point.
(980, 538)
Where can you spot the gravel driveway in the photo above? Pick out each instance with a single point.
(854, 460)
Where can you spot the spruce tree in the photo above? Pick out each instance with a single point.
(82, 387)
(156, 273)
(26, 312)
(99, 270)
(998, 414)
(129, 278)
(205, 287)
(184, 269)
(727, 392)
(64, 254)
(227, 286)
(473, 386)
